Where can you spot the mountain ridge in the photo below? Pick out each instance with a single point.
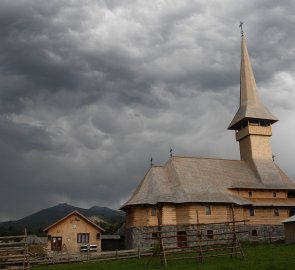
(38, 221)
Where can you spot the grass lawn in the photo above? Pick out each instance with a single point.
(270, 257)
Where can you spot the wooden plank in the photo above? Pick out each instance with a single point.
(202, 250)
(12, 249)
(12, 244)
(12, 237)
(11, 256)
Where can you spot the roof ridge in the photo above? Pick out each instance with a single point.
(207, 158)
(70, 214)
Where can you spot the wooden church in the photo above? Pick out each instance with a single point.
(192, 190)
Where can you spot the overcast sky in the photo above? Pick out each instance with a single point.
(90, 90)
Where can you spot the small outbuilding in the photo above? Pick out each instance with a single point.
(289, 229)
(74, 233)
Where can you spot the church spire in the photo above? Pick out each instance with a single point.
(250, 105)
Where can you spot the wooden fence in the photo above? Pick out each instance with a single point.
(24, 259)
(65, 257)
(14, 252)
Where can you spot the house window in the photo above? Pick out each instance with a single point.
(207, 209)
(154, 211)
(210, 234)
(250, 194)
(251, 212)
(276, 212)
(274, 194)
(83, 238)
(254, 233)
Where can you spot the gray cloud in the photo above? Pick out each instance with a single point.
(90, 90)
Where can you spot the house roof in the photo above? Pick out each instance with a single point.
(191, 179)
(250, 103)
(290, 219)
(74, 213)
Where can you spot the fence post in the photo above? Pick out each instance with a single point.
(138, 253)
(116, 253)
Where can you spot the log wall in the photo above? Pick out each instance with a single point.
(259, 194)
(196, 213)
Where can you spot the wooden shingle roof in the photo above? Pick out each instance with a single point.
(190, 179)
(250, 103)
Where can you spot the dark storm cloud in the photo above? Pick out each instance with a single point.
(90, 90)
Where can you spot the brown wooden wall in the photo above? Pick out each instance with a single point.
(196, 213)
(263, 215)
(261, 194)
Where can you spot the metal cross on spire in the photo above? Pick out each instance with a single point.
(152, 162)
(171, 152)
(241, 26)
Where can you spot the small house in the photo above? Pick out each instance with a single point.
(74, 233)
(289, 229)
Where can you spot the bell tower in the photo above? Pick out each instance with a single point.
(253, 120)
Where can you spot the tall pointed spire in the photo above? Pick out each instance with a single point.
(250, 105)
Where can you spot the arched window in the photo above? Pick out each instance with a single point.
(210, 234)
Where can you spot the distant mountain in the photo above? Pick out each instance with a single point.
(38, 221)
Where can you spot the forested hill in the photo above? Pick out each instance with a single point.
(38, 221)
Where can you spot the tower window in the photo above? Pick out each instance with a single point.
(250, 194)
(274, 194)
(251, 212)
(276, 212)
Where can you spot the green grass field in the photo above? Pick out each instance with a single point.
(270, 257)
